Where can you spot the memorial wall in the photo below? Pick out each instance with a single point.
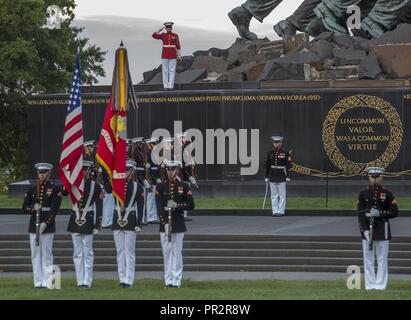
(331, 132)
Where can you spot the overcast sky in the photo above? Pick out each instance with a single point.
(105, 28)
(193, 13)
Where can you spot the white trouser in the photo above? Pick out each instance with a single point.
(173, 258)
(83, 258)
(380, 252)
(108, 210)
(151, 205)
(169, 72)
(278, 197)
(42, 259)
(126, 255)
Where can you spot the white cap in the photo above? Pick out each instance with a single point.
(87, 164)
(168, 140)
(375, 171)
(138, 140)
(130, 164)
(151, 140)
(90, 143)
(277, 138)
(43, 166)
(172, 163)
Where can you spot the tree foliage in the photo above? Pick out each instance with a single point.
(35, 60)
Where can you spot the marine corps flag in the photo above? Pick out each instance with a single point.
(112, 145)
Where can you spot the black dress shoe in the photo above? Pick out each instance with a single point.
(175, 286)
(187, 219)
(122, 285)
(169, 286)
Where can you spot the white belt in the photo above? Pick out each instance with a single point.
(140, 169)
(122, 221)
(169, 46)
(154, 168)
(80, 219)
(45, 209)
(277, 167)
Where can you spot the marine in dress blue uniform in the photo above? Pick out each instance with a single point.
(376, 206)
(42, 203)
(84, 223)
(127, 222)
(173, 197)
(277, 173)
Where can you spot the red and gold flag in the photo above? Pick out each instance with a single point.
(112, 145)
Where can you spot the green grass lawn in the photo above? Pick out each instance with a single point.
(244, 203)
(21, 288)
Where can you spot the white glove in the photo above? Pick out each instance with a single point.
(287, 179)
(137, 229)
(166, 226)
(192, 180)
(375, 212)
(147, 165)
(159, 180)
(146, 184)
(96, 231)
(159, 30)
(178, 55)
(367, 235)
(267, 180)
(42, 227)
(37, 206)
(171, 204)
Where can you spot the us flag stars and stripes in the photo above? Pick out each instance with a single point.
(71, 160)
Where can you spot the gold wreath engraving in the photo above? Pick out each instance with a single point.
(348, 166)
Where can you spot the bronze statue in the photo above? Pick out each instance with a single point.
(242, 15)
(377, 16)
(260, 9)
(317, 16)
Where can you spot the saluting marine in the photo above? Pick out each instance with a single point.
(84, 223)
(170, 54)
(173, 197)
(277, 173)
(376, 205)
(126, 222)
(42, 203)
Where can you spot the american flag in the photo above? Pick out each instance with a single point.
(71, 160)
